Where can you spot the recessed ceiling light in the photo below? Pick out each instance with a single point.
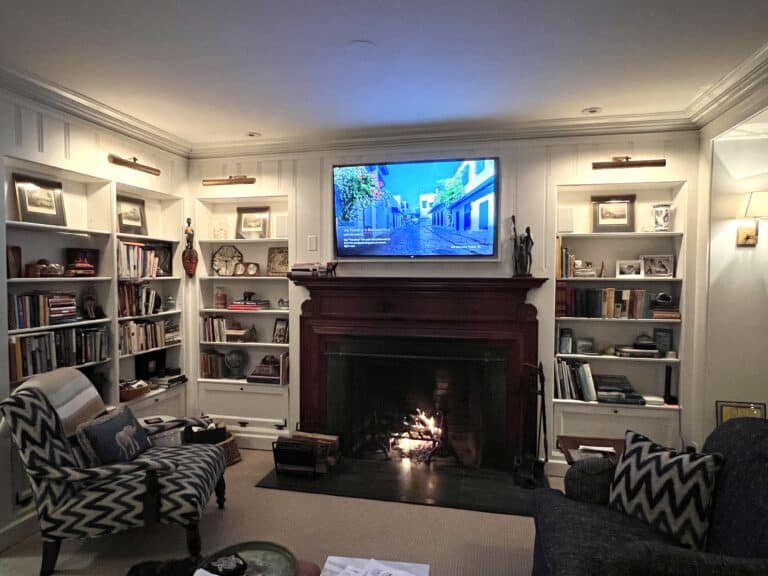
(592, 110)
(254, 134)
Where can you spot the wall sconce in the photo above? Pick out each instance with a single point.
(229, 181)
(757, 207)
(133, 164)
(627, 162)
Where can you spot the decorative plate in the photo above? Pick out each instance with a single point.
(224, 260)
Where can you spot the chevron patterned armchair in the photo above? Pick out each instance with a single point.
(166, 484)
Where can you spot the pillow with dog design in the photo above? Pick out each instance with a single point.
(114, 437)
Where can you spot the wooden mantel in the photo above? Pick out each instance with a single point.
(493, 311)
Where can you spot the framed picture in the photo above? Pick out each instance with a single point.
(220, 228)
(663, 339)
(746, 235)
(131, 218)
(613, 213)
(565, 341)
(252, 223)
(585, 345)
(39, 201)
(727, 410)
(280, 332)
(629, 268)
(658, 266)
(277, 261)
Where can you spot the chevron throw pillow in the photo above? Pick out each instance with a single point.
(670, 491)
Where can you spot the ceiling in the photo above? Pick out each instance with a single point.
(209, 72)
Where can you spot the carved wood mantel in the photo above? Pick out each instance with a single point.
(482, 310)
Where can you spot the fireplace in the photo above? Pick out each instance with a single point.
(376, 351)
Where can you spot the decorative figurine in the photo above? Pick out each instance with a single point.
(189, 256)
(522, 256)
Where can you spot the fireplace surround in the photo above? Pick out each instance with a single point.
(461, 313)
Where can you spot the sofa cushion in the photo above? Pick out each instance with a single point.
(670, 491)
(114, 437)
(739, 523)
(575, 538)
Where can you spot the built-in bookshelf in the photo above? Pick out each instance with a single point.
(226, 354)
(601, 315)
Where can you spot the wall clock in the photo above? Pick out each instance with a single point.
(225, 259)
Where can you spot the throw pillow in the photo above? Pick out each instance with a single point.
(670, 491)
(114, 437)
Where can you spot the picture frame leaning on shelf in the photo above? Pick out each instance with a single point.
(39, 201)
(613, 213)
(131, 217)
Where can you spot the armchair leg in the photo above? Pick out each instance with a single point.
(50, 555)
(221, 489)
(193, 541)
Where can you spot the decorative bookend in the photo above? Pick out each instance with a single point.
(189, 256)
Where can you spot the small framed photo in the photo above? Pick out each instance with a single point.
(663, 337)
(131, 217)
(658, 266)
(613, 213)
(629, 268)
(252, 223)
(13, 261)
(585, 345)
(277, 261)
(280, 332)
(746, 235)
(727, 410)
(39, 201)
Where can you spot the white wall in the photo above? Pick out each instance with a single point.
(530, 171)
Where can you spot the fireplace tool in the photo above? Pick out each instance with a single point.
(532, 467)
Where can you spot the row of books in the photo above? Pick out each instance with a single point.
(215, 329)
(574, 380)
(137, 260)
(145, 335)
(137, 300)
(46, 351)
(212, 365)
(611, 303)
(41, 309)
(251, 304)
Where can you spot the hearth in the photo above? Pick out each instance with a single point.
(375, 351)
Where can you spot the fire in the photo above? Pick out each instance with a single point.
(420, 438)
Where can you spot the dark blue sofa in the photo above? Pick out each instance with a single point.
(575, 537)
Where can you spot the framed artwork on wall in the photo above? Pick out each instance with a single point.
(613, 213)
(727, 410)
(252, 223)
(131, 218)
(39, 201)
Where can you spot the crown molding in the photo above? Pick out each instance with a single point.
(734, 87)
(447, 134)
(727, 92)
(70, 102)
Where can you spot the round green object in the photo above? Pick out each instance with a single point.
(263, 558)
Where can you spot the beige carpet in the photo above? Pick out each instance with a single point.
(452, 542)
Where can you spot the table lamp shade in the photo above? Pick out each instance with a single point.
(757, 205)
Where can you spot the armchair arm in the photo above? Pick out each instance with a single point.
(589, 480)
(152, 429)
(72, 474)
(659, 559)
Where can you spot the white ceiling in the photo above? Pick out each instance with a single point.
(210, 71)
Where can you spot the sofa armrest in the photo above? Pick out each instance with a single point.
(152, 429)
(44, 471)
(590, 480)
(659, 559)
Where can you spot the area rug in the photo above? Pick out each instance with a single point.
(444, 485)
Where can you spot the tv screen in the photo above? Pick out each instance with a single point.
(426, 209)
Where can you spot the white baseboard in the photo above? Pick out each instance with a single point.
(19, 529)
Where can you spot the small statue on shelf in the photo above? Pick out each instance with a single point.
(189, 256)
(522, 256)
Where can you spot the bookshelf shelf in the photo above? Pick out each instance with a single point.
(622, 280)
(149, 316)
(33, 227)
(149, 279)
(245, 344)
(271, 312)
(245, 278)
(78, 366)
(151, 394)
(274, 388)
(142, 238)
(616, 320)
(590, 357)
(166, 347)
(247, 241)
(63, 326)
(619, 235)
(60, 279)
(665, 407)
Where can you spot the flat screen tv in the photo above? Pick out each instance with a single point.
(425, 209)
